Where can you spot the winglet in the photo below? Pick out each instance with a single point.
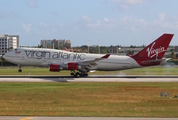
(93, 62)
(106, 56)
(103, 57)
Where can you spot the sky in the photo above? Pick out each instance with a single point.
(93, 22)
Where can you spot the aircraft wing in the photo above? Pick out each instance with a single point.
(86, 64)
(93, 62)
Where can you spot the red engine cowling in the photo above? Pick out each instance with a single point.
(54, 67)
(72, 66)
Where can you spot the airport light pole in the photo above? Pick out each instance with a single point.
(88, 46)
(98, 46)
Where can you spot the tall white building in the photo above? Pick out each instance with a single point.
(8, 42)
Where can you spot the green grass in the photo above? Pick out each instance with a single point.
(138, 71)
(88, 99)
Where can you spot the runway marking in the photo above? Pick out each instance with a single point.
(28, 118)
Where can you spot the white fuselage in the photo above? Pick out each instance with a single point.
(45, 57)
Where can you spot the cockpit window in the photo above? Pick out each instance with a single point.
(17, 52)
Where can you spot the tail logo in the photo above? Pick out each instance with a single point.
(154, 52)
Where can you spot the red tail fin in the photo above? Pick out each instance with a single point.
(154, 51)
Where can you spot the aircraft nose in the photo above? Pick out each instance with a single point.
(4, 56)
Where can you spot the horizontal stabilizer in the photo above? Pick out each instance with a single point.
(153, 61)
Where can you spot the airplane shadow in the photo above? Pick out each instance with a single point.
(59, 79)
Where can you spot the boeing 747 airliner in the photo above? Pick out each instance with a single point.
(58, 60)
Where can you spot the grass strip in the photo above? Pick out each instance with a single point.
(89, 99)
(160, 70)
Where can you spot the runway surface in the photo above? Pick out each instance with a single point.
(79, 118)
(89, 79)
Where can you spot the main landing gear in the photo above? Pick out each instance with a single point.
(81, 74)
(20, 70)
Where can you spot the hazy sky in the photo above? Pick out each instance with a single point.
(111, 22)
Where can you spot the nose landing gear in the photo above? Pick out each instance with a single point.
(20, 70)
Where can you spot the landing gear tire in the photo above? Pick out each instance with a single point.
(86, 75)
(73, 74)
(77, 73)
(83, 74)
(19, 70)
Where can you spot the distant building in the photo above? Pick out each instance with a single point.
(8, 42)
(113, 49)
(55, 43)
(29, 46)
(176, 49)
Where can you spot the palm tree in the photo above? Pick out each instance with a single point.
(9, 49)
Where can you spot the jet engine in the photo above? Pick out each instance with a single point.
(54, 67)
(73, 66)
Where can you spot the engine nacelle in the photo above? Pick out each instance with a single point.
(54, 67)
(73, 66)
